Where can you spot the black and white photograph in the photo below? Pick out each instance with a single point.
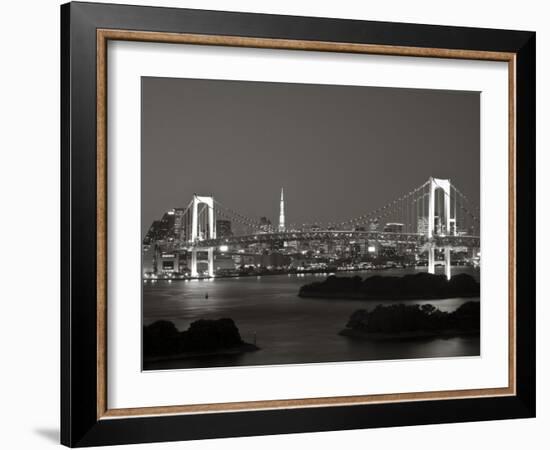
(299, 223)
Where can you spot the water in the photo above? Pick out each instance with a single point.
(288, 329)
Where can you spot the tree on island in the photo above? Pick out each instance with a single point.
(408, 287)
(413, 318)
(162, 338)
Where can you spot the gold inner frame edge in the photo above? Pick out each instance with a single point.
(104, 35)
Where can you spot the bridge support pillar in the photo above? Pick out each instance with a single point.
(194, 272)
(211, 261)
(194, 261)
(431, 260)
(448, 262)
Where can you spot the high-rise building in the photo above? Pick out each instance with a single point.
(169, 228)
(223, 228)
(282, 212)
(179, 223)
(166, 227)
(152, 234)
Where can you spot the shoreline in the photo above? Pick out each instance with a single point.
(382, 297)
(292, 272)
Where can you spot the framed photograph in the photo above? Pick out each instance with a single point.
(276, 224)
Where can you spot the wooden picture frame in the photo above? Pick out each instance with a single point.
(86, 418)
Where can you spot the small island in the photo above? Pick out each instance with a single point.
(163, 341)
(413, 322)
(420, 286)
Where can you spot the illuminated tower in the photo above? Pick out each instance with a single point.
(282, 212)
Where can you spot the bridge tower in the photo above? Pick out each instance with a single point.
(445, 227)
(197, 234)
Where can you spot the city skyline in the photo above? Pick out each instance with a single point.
(333, 169)
(283, 225)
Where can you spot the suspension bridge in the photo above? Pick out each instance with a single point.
(435, 215)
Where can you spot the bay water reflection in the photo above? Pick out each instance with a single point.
(289, 329)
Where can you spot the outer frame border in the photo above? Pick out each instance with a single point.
(106, 35)
(85, 419)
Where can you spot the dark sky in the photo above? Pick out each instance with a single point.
(338, 151)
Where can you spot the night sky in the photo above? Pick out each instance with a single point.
(338, 151)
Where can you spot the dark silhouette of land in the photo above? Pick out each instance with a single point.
(413, 321)
(420, 286)
(163, 341)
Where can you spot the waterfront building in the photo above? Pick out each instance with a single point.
(224, 263)
(148, 259)
(393, 227)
